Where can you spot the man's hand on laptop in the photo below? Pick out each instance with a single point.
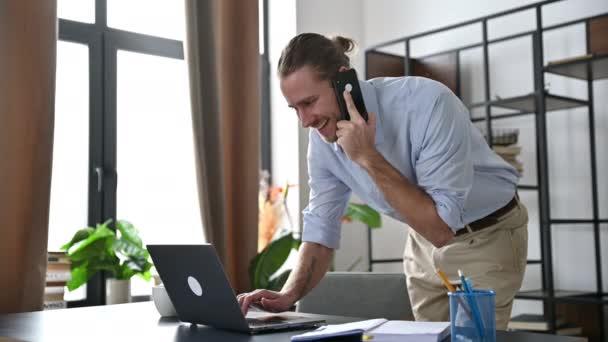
(265, 299)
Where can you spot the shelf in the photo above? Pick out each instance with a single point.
(534, 262)
(526, 104)
(527, 187)
(574, 221)
(566, 296)
(577, 68)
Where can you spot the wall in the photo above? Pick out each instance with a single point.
(511, 65)
(338, 17)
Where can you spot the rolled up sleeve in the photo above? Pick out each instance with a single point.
(444, 167)
(328, 201)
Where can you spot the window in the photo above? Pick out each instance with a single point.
(160, 18)
(123, 135)
(77, 10)
(70, 153)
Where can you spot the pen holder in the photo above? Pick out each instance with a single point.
(472, 316)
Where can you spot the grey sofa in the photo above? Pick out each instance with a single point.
(359, 294)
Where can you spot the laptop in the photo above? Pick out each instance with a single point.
(199, 289)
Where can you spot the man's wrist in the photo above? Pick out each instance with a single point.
(290, 295)
(370, 159)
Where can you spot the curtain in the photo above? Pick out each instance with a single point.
(28, 42)
(223, 59)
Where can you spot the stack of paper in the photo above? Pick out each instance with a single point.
(334, 330)
(403, 331)
(382, 330)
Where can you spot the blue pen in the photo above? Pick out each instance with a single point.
(473, 304)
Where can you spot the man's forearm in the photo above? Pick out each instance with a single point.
(313, 262)
(414, 205)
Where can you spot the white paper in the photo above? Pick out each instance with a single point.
(411, 328)
(340, 329)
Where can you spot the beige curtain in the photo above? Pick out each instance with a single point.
(28, 40)
(222, 53)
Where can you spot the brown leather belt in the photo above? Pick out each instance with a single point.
(489, 220)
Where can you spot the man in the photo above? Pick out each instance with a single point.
(419, 159)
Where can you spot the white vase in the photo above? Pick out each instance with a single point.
(118, 291)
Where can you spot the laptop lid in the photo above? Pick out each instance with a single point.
(197, 285)
(199, 289)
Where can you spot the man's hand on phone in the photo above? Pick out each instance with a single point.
(357, 137)
(265, 299)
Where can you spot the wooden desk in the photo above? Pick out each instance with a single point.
(141, 322)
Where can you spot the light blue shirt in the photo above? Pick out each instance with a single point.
(424, 131)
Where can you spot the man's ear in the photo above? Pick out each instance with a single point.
(342, 69)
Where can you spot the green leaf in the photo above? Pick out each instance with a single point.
(80, 275)
(265, 264)
(125, 272)
(101, 233)
(79, 236)
(92, 251)
(365, 214)
(128, 248)
(145, 275)
(276, 283)
(128, 232)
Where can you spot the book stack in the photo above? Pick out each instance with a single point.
(57, 275)
(538, 323)
(379, 330)
(504, 143)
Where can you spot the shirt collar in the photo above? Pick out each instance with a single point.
(371, 104)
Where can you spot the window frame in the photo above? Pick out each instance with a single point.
(103, 43)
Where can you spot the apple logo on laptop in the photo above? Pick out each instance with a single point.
(195, 286)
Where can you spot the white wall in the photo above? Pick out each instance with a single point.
(372, 22)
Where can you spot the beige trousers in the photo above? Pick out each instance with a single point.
(493, 258)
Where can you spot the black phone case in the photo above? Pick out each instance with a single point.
(342, 79)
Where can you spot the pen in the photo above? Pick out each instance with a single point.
(445, 280)
(451, 288)
(473, 305)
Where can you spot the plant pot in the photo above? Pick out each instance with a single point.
(118, 291)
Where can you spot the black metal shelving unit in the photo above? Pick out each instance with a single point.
(539, 104)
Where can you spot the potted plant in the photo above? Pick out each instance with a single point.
(269, 260)
(119, 252)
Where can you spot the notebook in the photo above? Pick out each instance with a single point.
(403, 331)
(382, 330)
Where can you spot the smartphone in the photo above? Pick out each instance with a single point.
(347, 80)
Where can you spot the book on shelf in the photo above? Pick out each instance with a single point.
(57, 268)
(53, 297)
(53, 293)
(507, 150)
(57, 258)
(55, 305)
(510, 153)
(570, 59)
(533, 322)
(58, 276)
(58, 273)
